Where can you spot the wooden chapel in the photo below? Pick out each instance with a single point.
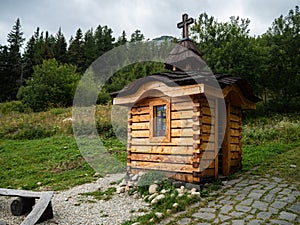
(175, 121)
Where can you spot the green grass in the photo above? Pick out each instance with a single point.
(101, 195)
(272, 144)
(56, 162)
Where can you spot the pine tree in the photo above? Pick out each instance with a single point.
(122, 39)
(137, 36)
(5, 68)
(108, 39)
(99, 41)
(28, 58)
(75, 51)
(15, 41)
(89, 48)
(60, 47)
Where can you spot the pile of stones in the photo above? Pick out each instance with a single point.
(130, 182)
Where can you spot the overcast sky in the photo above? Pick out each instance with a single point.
(153, 17)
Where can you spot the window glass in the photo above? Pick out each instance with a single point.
(160, 120)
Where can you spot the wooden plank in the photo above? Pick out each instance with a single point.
(234, 140)
(182, 114)
(207, 120)
(140, 118)
(174, 141)
(181, 99)
(207, 129)
(235, 125)
(182, 132)
(235, 118)
(235, 132)
(204, 103)
(183, 106)
(162, 149)
(206, 111)
(140, 126)
(185, 177)
(187, 159)
(207, 146)
(162, 166)
(140, 133)
(234, 147)
(140, 110)
(20, 193)
(185, 123)
(235, 155)
(208, 137)
(206, 164)
(208, 154)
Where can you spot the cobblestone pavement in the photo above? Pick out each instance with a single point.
(250, 199)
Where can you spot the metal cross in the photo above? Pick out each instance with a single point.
(184, 24)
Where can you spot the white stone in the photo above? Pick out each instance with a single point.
(163, 191)
(120, 190)
(159, 214)
(96, 174)
(153, 188)
(39, 183)
(175, 205)
(136, 196)
(195, 193)
(193, 190)
(123, 183)
(157, 199)
(151, 197)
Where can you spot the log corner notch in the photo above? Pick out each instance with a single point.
(25, 203)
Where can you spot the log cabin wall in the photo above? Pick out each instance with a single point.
(235, 138)
(178, 158)
(208, 138)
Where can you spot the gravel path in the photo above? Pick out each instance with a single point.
(249, 199)
(71, 208)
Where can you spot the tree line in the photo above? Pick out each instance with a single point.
(269, 62)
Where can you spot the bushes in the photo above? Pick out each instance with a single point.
(277, 128)
(51, 85)
(13, 106)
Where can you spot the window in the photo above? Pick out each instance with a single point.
(160, 121)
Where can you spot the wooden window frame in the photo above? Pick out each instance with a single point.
(152, 104)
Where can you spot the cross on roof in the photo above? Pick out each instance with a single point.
(184, 24)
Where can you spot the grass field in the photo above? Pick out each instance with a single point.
(40, 147)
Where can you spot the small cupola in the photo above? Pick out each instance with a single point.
(185, 56)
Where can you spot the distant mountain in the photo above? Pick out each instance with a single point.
(164, 38)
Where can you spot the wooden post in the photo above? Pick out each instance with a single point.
(226, 143)
(129, 141)
(216, 139)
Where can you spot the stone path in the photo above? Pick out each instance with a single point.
(250, 199)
